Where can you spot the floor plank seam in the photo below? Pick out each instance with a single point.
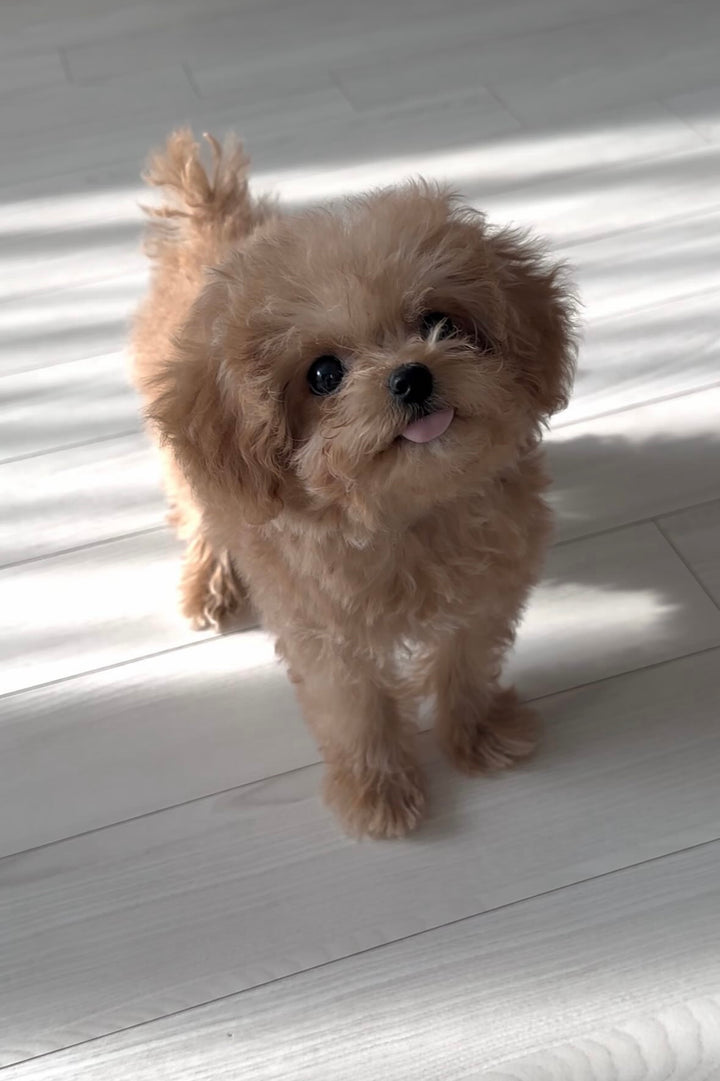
(706, 139)
(709, 294)
(187, 71)
(121, 434)
(688, 567)
(650, 519)
(364, 952)
(336, 82)
(118, 664)
(639, 228)
(62, 53)
(88, 546)
(100, 279)
(620, 675)
(658, 400)
(157, 811)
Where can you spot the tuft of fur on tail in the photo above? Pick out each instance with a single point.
(200, 201)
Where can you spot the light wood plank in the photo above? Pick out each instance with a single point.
(684, 1038)
(695, 533)
(55, 140)
(635, 464)
(538, 179)
(621, 136)
(633, 270)
(107, 271)
(42, 119)
(609, 604)
(322, 33)
(279, 135)
(35, 24)
(576, 209)
(120, 926)
(270, 88)
(633, 358)
(90, 608)
(47, 147)
(90, 319)
(18, 75)
(77, 497)
(454, 1002)
(66, 404)
(568, 70)
(404, 71)
(119, 743)
(631, 63)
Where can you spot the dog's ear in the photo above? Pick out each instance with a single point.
(539, 319)
(221, 413)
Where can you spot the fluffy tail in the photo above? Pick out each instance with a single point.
(212, 206)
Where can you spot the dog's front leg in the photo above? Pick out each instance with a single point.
(481, 726)
(372, 780)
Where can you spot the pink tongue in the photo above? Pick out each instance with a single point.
(430, 427)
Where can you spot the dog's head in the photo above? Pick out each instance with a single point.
(371, 361)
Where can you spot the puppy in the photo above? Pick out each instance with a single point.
(350, 403)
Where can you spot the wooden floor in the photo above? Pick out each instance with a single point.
(175, 902)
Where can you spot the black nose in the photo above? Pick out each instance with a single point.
(411, 384)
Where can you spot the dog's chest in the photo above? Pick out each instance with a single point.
(411, 585)
(402, 587)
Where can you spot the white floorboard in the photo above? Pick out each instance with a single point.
(89, 608)
(625, 597)
(68, 324)
(162, 842)
(79, 496)
(623, 467)
(456, 1001)
(680, 1041)
(63, 405)
(159, 731)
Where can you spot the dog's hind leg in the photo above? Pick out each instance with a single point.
(212, 594)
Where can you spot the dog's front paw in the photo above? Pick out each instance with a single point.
(507, 732)
(376, 803)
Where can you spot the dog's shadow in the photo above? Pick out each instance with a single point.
(458, 803)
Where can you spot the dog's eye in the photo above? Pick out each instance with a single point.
(325, 375)
(438, 326)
